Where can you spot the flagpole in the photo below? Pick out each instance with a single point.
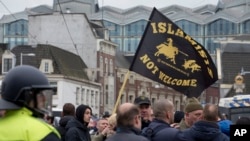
(120, 92)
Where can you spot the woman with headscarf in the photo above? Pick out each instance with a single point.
(77, 129)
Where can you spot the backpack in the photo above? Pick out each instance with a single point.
(149, 133)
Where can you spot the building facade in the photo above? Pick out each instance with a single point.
(70, 80)
(64, 25)
(83, 42)
(14, 27)
(205, 24)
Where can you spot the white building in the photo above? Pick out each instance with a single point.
(76, 91)
(71, 32)
(75, 33)
(70, 79)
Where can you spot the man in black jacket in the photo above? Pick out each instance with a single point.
(128, 124)
(159, 129)
(67, 114)
(77, 128)
(144, 105)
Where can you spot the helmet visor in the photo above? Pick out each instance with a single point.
(44, 101)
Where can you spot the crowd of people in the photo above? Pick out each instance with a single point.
(23, 112)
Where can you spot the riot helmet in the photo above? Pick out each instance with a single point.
(26, 86)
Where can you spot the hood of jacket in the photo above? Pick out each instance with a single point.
(80, 110)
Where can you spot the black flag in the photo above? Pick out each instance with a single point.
(168, 55)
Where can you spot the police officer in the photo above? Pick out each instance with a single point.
(24, 92)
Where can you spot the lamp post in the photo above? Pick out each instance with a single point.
(25, 54)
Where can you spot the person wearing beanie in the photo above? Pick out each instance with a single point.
(77, 129)
(206, 129)
(193, 112)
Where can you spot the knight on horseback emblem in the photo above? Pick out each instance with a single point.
(168, 50)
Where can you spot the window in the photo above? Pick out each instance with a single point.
(46, 67)
(153, 101)
(77, 96)
(122, 78)
(130, 98)
(22, 29)
(129, 47)
(96, 99)
(210, 99)
(101, 98)
(82, 95)
(92, 98)
(17, 30)
(142, 27)
(111, 67)
(8, 61)
(87, 97)
(114, 29)
(7, 64)
(143, 93)
(246, 27)
(101, 61)
(53, 84)
(216, 101)
(106, 66)
(131, 79)
(176, 105)
(190, 28)
(122, 98)
(107, 98)
(101, 66)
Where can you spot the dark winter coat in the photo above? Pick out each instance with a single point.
(76, 127)
(161, 131)
(127, 134)
(203, 131)
(76, 131)
(144, 123)
(62, 124)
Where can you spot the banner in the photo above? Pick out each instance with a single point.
(166, 54)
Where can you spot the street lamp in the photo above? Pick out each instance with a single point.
(25, 54)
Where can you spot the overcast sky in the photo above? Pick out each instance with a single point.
(19, 5)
